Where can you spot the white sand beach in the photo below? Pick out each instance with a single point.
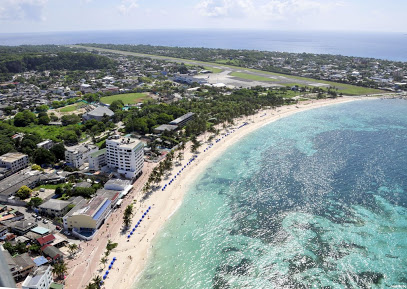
(132, 254)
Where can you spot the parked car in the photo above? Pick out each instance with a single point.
(58, 227)
(45, 221)
(39, 218)
(42, 190)
(34, 215)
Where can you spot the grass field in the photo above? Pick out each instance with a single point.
(213, 69)
(127, 98)
(46, 186)
(251, 76)
(71, 107)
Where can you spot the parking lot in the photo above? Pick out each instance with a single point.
(29, 215)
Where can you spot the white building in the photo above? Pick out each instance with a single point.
(46, 144)
(40, 279)
(126, 155)
(119, 185)
(14, 161)
(78, 155)
(97, 160)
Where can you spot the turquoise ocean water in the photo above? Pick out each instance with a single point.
(314, 200)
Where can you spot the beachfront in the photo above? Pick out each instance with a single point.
(132, 253)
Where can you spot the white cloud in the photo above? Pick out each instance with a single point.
(224, 8)
(15, 10)
(126, 6)
(265, 9)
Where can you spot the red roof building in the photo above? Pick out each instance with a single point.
(46, 240)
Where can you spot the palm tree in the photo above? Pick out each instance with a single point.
(128, 212)
(103, 261)
(72, 248)
(96, 280)
(60, 269)
(91, 286)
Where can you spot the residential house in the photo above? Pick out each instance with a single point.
(54, 208)
(48, 239)
(22, 227)
(20, 266)
(52, 252)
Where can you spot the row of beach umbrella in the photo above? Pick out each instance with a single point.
(139, 222)
(107, 271)
(195, 156)
(179, 172)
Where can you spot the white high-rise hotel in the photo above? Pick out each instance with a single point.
(126, 155)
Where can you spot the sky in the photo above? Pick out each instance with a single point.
(297, 15)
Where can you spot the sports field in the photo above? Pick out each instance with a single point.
(127, 98)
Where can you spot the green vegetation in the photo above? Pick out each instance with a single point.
(127, 98)
(35, 202)
(18, 248)
(24, 192)
(128, 213)
(213, 69)
(46, 186)
(71, 108)
(20, 62)
(229, 62)
(251, 76)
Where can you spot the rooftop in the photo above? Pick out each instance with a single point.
(125, 142)
(98, 153)
(81, 148)
(54, 204)
(51, 251)
(12, 157)
(164, 127)
(100, 111)
(94, 206)
(45, 239)
(182, 118)
(40, 260)
(40, 230)
(11, 184)
(35, 277)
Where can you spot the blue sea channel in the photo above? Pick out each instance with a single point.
(314, 200)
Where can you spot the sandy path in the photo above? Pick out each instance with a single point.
(132, 255)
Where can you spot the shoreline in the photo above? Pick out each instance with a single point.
(133, 254)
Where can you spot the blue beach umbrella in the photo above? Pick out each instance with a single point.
(143, 216)
(110, 267)
(128, 236)
(136, 226)
(107, 272)
(131, 233)
(104, 277)
(149, 207)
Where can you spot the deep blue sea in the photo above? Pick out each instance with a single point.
(391, 46)
(314, 200)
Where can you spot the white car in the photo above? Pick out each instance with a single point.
(39, 218)
(45, 221)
